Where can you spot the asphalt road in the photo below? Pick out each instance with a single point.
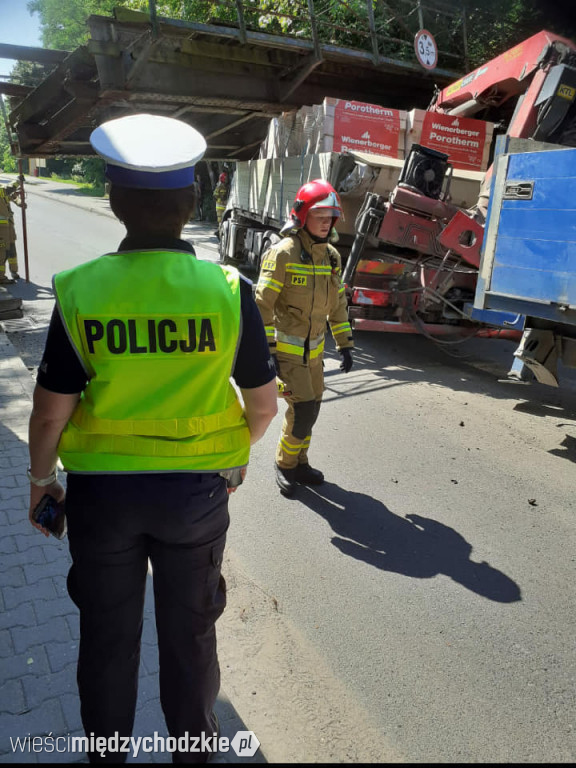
(434, 573)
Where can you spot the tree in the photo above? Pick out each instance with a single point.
(499, 25)
(63, 22)
(7, 160)
(493, 25)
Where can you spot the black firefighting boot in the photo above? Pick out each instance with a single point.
(286, 480)
(306, 475)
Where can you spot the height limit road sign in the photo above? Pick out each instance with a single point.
(426, 49)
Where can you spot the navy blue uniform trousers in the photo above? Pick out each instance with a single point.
(116, 524)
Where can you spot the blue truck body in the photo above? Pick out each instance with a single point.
(528, 262)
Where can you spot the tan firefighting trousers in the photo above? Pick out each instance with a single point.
(7, 250)
(220, 208)
(301, 386)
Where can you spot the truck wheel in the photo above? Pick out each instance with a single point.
(223, 243)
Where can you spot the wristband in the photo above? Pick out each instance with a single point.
(44, 481)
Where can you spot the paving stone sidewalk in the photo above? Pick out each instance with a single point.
(38, 621)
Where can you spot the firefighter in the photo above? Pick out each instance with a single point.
(8, 233)
(299, 289)
(221, 197)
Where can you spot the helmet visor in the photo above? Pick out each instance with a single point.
(330, 204)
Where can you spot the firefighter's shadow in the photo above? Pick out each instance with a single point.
(31, 291)
(415, 546)
(567, 449)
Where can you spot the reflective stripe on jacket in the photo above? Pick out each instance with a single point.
(300, 288)
(157, 332)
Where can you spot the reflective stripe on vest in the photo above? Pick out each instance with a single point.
(157, 332)
(295, 345)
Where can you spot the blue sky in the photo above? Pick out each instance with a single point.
(17, 27)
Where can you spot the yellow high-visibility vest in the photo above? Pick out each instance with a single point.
(157, 333)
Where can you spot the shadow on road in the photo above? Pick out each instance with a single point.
(31, 291)
(414, 546)
(479, 366)
(567, 449)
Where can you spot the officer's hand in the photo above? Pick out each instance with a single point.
(347, 361)
(56, 490)
(235, 488)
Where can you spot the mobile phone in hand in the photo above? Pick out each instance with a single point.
(233, 477)
(50, 514)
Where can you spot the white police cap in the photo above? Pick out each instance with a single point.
(149, 151)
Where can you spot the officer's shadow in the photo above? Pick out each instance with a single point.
(414, 546)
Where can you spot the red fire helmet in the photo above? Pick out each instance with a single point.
(313, 195)
(223, 178)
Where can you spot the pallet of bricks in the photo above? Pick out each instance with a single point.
(380, 138)
(337, 125)
(466, 141)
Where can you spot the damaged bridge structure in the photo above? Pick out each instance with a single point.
(224, 75)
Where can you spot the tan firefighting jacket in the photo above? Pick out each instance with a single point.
(7, 231)
(300, 288)
(220, 194)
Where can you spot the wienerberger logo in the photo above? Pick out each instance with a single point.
(367, 109)
(458, 137)
(348, 140)
(454, 128)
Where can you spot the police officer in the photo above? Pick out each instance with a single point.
(8, 233)
(299, 289)
(134, 395)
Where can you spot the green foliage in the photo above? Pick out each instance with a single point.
(28, 73)
(496, 26)
(93, 171)
(60, 166)
(63, 22)
(493, 25)
(8, 162)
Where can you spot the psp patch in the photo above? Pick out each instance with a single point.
(299, 280)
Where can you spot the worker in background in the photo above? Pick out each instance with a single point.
(134, 394)
(197, 196)
(8, 195)
(299, 289)
(221, 198)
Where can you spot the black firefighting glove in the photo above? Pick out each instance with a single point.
(347, 362)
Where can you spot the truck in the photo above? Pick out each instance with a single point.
(263, 190)
(418, 225)
(412, 239)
